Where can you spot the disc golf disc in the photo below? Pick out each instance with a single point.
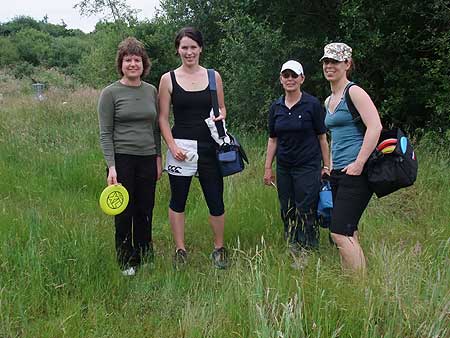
(114, 199)
(386, 143)
(403, 144)
(388, 149)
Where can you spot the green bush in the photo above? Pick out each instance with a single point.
(33, 46)
(9, 54)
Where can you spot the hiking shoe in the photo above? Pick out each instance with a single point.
(220, 258)
(131, 271)
(179, 259)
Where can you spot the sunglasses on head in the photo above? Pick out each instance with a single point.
(288, 73)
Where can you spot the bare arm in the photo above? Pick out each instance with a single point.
(270, 155)
(325, 149)
(164, 99)
(371, 118)
(220, 98)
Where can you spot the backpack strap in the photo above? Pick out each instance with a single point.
(215, 102)
(327, 102)
(351, 106)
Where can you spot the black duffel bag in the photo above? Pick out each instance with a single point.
(390, 171)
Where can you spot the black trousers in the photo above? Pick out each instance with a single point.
(210, 178)
(298, 192)
(134, 225)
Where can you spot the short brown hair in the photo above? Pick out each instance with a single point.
(132, 46)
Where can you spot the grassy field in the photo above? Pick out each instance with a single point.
(58, 276)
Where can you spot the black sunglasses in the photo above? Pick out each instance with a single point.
(287, 74)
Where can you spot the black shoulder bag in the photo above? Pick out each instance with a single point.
(393, 164)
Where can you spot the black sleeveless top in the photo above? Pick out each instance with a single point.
(190, 109)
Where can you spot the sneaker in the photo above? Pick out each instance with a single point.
(180, 258)
(220, 258)
(131, 271)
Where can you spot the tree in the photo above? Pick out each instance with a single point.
(97, 67)
(250, 54)
(401, 50)
(118, 10)
(17, 24)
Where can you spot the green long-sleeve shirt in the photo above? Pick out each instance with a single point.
(128, 118)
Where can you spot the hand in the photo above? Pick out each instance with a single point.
(218, 118)
(354, 169)
(112, 176)
(268, 176)
(325, 172)
(178, 153)
(158, 167)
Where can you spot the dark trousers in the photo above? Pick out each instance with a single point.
(134, 225)
(298, 192)
(210, 178)
(351, 195)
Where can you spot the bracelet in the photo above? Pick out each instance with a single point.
(325, 167)
(268, 168)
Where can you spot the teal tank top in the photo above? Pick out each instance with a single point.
(346, 135)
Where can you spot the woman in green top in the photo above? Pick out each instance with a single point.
(131, 144)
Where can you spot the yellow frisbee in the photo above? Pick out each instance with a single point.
(114, 199)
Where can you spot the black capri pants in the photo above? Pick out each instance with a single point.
(210, 178)
(351, 194)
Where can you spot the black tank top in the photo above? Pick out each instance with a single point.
(190, 109)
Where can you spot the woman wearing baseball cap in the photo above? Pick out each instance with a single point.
(297, 139)
(352, 142)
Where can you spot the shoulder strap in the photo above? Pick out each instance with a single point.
(351, 106)
(215, 102)
(327, 102)
(172, 77)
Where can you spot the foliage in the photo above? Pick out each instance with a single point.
(17, 24)
(401, 47)
(437, 75)
(118, 10)
(9, 54)
(401, 50)
(158, 40)
(247, 63)
(23, 69)
(22, 22)
(66, 52)
(97, 67)
(33, 45)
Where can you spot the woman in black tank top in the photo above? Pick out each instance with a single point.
(187, 90)
(190, 109)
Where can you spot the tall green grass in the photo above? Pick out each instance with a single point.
(58, 275)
